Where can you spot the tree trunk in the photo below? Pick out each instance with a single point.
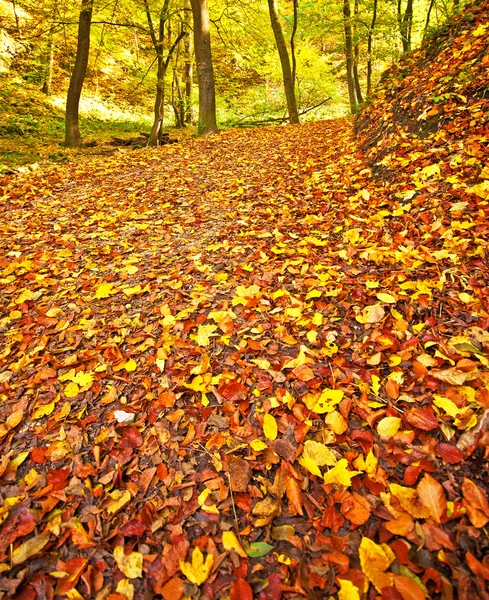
(285, 62)
(189, 82)
(205, 71)
(427, 24)
(48, 79)
(159, 105)
(292, 41)
(72, 131)
(405, 24)
(356, 57)
(349, 57)
(369, 48)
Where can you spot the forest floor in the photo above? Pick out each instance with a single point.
(242, 366)
(256, 365)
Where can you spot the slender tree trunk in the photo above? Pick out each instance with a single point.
(72, 131)
(292, 42)
(349, 57)
(285, 62)
(369, 48)
(356, 57)
(189, 82)
(427, 24)
(405, 24)
(17, 20)
(205, 71)
(159, 105)
(48, 79)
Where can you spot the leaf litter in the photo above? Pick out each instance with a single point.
(253, 365)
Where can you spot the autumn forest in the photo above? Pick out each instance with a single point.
(244, 300)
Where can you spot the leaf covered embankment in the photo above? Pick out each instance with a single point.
(244, 364)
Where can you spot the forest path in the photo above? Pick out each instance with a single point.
(190, 338)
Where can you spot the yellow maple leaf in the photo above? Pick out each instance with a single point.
(197, 571)
(340, 474)
(270, 428)
(202, 337)
(130, 564)
(82, 378)
(104, 290)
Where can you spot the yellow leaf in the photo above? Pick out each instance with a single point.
(104, 290)
(270, 428)
(340, 474)
(131, 365)
(258, 445)
(231, 542)
(326, 401)
(447, 405)
(26, 295)
(348, 591)
(118, 499)
(388, 427)
(262, 363)
(130, 291)
(202, 337)
(371, 314)
(387, 298)
(43, 410)
(83, 379)
(247, 292)
(375, 560)
(310, 465)
(210, 508)
(131, 269)
(317, 319)
(29, 548)
(318, 453)
(375, 384)
(466, 298)
(15, 418)
(130, 564)
(197, 571)
(299, 361)
(126, 589)
(312, 336)
(336, 422)
(16, 314)
(71, 390)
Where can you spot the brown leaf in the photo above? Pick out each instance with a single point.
(239, 474)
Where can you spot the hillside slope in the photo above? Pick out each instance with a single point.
(437, 101)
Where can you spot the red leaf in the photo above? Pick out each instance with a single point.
(133, 436)
(133, 527)
(241, 590)
(411, 475)
(233, 391)
(450, 454)
(422, 418)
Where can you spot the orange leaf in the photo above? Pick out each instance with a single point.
(408, 589)
(432, 496)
